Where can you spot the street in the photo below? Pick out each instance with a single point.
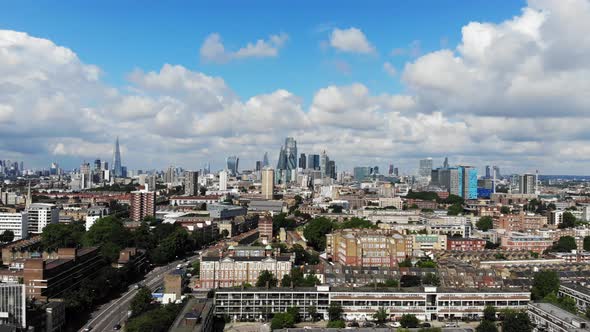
(115, 311)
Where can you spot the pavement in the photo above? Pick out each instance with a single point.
(115, 311)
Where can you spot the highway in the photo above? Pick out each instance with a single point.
(115, 311)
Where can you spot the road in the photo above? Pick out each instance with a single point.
(115, 311)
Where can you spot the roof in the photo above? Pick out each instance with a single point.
(577, 287)
(246, 259)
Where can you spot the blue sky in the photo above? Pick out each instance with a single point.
(119, 36)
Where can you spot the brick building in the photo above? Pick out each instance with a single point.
(143, 204)
(265, 229)
(366, 247)
(464, 244)
(520, 222)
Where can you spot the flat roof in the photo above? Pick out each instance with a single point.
(577, 287)
(561, 314)
(373, 290)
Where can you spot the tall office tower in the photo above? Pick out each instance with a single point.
(53, 170)
(151, 181)
(360, 173)
(395, 171)
(104, 165)
(223, 180)
(302, 161)
(498, 175)
(469, 182)
(331, 172)
(390, 172)
(85, 169)
(313, 161)
(191, 183)
(265, 162)
(375, 170)
(287, 159)
(258, 166)
(41, 215)
(527, 183)
(97, 164)
(117, 169)
(425, 169)
(232, 165)
(170, 175)
(448, 178)
(143, 204)
(446, 163)
(268, 184)
(488, 172)
(324, 163)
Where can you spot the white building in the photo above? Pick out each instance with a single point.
(13, 311)
(41, 215)
(95, 213)
(15, 222)
(223, 180)
(550, 318)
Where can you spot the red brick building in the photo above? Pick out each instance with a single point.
(465, 244)
(265, 229)
(143, 204)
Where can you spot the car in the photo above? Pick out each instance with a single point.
(426, 325)
(395, 324)
(451, 324)
(117, 327)
(88, 328)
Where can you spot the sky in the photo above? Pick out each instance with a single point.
(371, 83)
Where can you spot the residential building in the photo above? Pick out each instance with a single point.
(265, 229)
(428, 242)
(143, 204)
(94, 213)
(268, 184)
(527, 184)
(194, 200)
(174, 283)
(520, 222)
(13, 310)
(17, 222)
(525, 241)
(191, 183)
(580, 292)
(196, 316)
(428, 303)
(551, 318)
(41, 215)
(395, 202)
(133, 258)
(468, 178)
(223, 180)
(366, 247)
(463, 244)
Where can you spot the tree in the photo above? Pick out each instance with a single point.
(486, 326)
(335, 311)
(485, 223)
(426, 264)
(313, 312)
(380, 316)
(409, 321)
(141, 302)
(196, 271)
(336, 324)
(7, 236)
(455, 209)
(544, 283)
(410, 281)
(516, 321)
(489, 313)
(109, 233)
(203, 191)
(224, 233)
(407, 262)
(431, 279)
(266, 278)
(282, 320)
(568, 221)
(587, 243)
(505, 210)
(294, 312)
(60, 235)
(336, 208)
(315, 232)
(565, 244)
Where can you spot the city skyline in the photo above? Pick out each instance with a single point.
(494, 87)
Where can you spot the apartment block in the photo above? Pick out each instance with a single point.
(13, 311)
(17, 222)
(551, 318)
(520, 222)
(366, 247)
(463, 244)
(41, 215)
(143, 204)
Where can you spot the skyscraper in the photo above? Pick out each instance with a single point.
(469, 181)
(425, 169)
(324, 164)
(302, 161)
(232, 165)
(265, 162)
(287, 158)
(191, 183)
(390, 169)
(488, 172)
(527, 183)
(446, 163)
(268, 177)
(331, 172)
(258, 166)
(313, 162)
(117, 169)
(142, 204)
(223, 180)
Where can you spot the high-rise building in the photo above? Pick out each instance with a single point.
(361, 172)
(265, 162)
(527, 183)
(395, 171)
(13, 306)
(268, 185)
(191, 183)
(265, 229)
(425, 169)
(41, 215)
(446, 163)
(488, 172)
(313, 161)
(143, 204)
(223, 180)
(258, 166)
(170, 175)
(287, 159)
(117, 168)
(324, 164)
(390, 172)
(331, 172)
(232, 165)
(302, 161)
(469, 182)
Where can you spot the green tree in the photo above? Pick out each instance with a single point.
(489, 313)
(282, 320)
(313, 312)
(7, 236)
(294, 312)
(141, 302)
(426, 264)
(565, 244)
(407, 262)
(335, 311)
(110, 234)
(431, 279)
(156, 320)
(587, 243)
(409, 321)
(505, 210)
(455, 209)
(60, 235)
(196, 269)
(569, 220)
(381, 316)
(315, 232)
(486, 326)
(485, 223)
(266, 278)
(516, 321)
(544, 283)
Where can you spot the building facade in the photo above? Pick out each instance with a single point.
(551, 318)
(41, 215)
(191, 183)
(18, 223)
(366, 247)
(268, 184)
(13, 311)
(143, 204)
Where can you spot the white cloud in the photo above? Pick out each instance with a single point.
(213, 50)
(389, 69)
(351, 40)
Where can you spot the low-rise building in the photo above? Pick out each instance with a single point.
(465, 244)
(196, 316)
(577, 291)
(551, 318)
(17, 222)
(222, 211)
(429, 242)
(94, 213)
(520, 222)
(366, 247)
(525, 241)
(13, 311)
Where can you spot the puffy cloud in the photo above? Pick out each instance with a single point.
(389, 69)
(351, 40)
(213, 50)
